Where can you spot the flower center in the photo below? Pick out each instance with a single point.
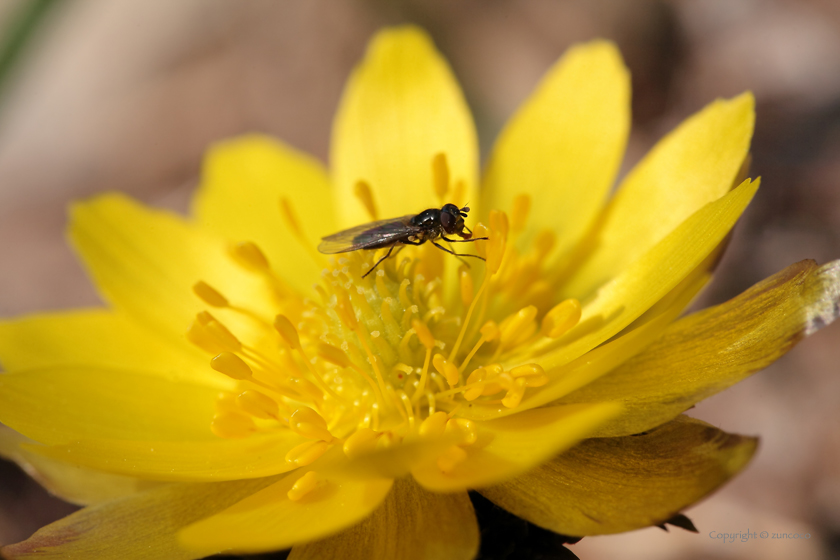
(391, 355)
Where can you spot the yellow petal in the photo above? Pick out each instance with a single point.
(713, 349)
(512, 445)
(683, 256)
(218, 459)
(243, 183)
(146, 261)
(694, 165)
(55, 406)
(412, 524)
(101, 338)
(401, 108)
(611, 485)
(564, 146)
(650, 278)
(269, 520)
(69, 482)
(138, 527)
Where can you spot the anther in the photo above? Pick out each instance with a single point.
(515, 393)
(520, 211)
(517, 326)
(232, 425)
(209, 295)
(306, 453)
(477, 386)
(561, 318)
(309, 424)
(451, 458)
(489, 332)
(466, 285)
(543, 243)
(304, 485)
(249, 256)
(288, 331)
(463, 429)
(423, 333)
(365, 195)
(434, 425)
(258, 405)
(440, 172)
(533, 374)
(333, 355)
(361, 442)
(231, 365)
(447, 369)
(498, 240)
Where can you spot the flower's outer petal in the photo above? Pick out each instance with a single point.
(651, 277)
(694, 165)
(100, 338)
(269, 520)
(401, 107)
(713, 349)
(243, 182)
(611, 485)
(618, 304)
(138, 527)
(514, 444)
(603, 359)
(146, 261)
(60, 405)
(412, 524)
(217, 459)
(69, 482)
(563, 147)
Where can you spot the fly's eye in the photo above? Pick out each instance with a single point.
(447, 220)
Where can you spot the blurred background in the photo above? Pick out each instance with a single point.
(100, 95)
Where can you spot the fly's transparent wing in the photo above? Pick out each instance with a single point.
(374, 235)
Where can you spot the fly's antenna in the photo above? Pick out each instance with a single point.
(463, 211)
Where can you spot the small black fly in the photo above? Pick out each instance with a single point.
(414, 229)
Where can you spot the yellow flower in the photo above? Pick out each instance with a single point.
(307, 406)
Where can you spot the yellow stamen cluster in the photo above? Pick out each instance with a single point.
(371, 361)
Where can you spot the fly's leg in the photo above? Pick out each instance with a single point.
(459, 255)
(464, 241)
(388, 254)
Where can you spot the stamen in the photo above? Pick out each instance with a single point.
(434, 425)
(232, 425)
(447, 370)
(519, 213)
(304, 485)
(365, 196)
(289, 333)
(515, 393)
(231, 365)
(465, 430)
(428, 341)
(451, 458)
(515, 328)
(309, 424)
(258, 405)
(489, 332)
(466, 284)
(209, 295)
(561, 318)
(306, 453)
(292, 222)
(533, 374)
(250, 257)
(361, 442)
(210, 335)
(440, 173)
